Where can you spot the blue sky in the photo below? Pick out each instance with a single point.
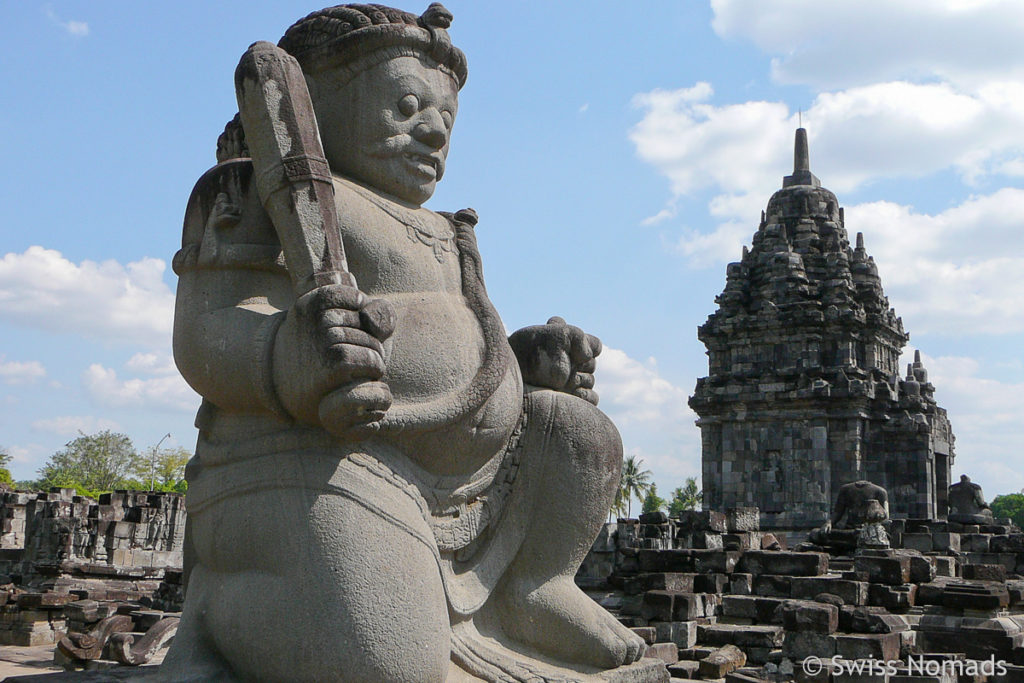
(618, 155)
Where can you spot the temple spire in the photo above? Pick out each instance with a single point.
(801, 163)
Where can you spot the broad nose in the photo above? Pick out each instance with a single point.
(430, 130)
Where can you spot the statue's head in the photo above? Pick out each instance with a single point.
(384, 85)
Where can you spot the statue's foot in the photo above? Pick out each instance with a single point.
(559, 620)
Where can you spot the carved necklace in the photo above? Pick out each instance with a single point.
(417, 229)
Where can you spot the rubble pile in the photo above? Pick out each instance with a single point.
(66, 559)
(713, 602)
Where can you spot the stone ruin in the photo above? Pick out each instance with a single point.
(804, 392)
(70, 565)
(716, 597)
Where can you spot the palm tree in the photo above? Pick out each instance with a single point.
(685, 498)
(634, 482)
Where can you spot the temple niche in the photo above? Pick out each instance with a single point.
(804, 391)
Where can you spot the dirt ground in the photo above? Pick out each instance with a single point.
(23, 661)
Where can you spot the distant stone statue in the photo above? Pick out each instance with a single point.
(857, 519)
(385, 487)
(967, 503)
(859, 503)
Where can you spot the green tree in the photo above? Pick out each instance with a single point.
(1010, 505)
(161, 469)
(652, 501)
(687, 497)
(634, 482)
(5, 474)
(91, 463)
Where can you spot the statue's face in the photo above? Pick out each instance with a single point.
(389, 126)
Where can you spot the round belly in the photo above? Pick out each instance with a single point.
(437, 346)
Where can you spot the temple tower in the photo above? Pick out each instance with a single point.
(804, 392)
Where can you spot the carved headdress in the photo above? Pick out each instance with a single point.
(343, 36)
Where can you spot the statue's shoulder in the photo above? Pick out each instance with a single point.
(225, 224)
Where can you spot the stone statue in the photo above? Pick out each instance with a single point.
(857, 519)
(385, 487)
(967, 503)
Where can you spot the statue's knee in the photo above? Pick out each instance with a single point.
(581, 430)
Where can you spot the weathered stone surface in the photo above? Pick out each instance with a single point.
(783, 563)
(710, 583)
(647, 633)
(667, 581)
(740, 519)
(893, 598)
(892, 571)
(758, 609)
(984, 572)
(684, 668)
(881, 646)
(741, 584)
(773, 586)
(721, 662)
(777, 354)
(967, 503)
(368, 426)
(852, 592)
(921, 542)
(798, 645)
(812, 617)
(701, 520)
(870, 620)
(666, 652)
(922, 569)
(682, 633)
(672, 606)
(978, 595)
(742, 636)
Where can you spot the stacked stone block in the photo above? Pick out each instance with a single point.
(130, 534)
(804, 392)
(13, 516)
(776, 608)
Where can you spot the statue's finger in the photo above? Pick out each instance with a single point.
(582, 380)
(588, 395)
(350, 336)
(356, 362)
(588, 366)
(339, 317)
(579, 346)
(339, 296)
(378, 318)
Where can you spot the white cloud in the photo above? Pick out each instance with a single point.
(76, 28)
(698, 145)
(740, 152)
(105, 301)
(71, 425)
(21, 454)
(851, 42)
(652, 415)
(857, 136)
(20, 372)
(164, 389)
(932, 280)
(634, 392)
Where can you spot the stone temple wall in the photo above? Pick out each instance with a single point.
(124, 534)
(803, 392)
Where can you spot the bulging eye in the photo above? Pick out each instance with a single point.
(409, 105)
(447, 117)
